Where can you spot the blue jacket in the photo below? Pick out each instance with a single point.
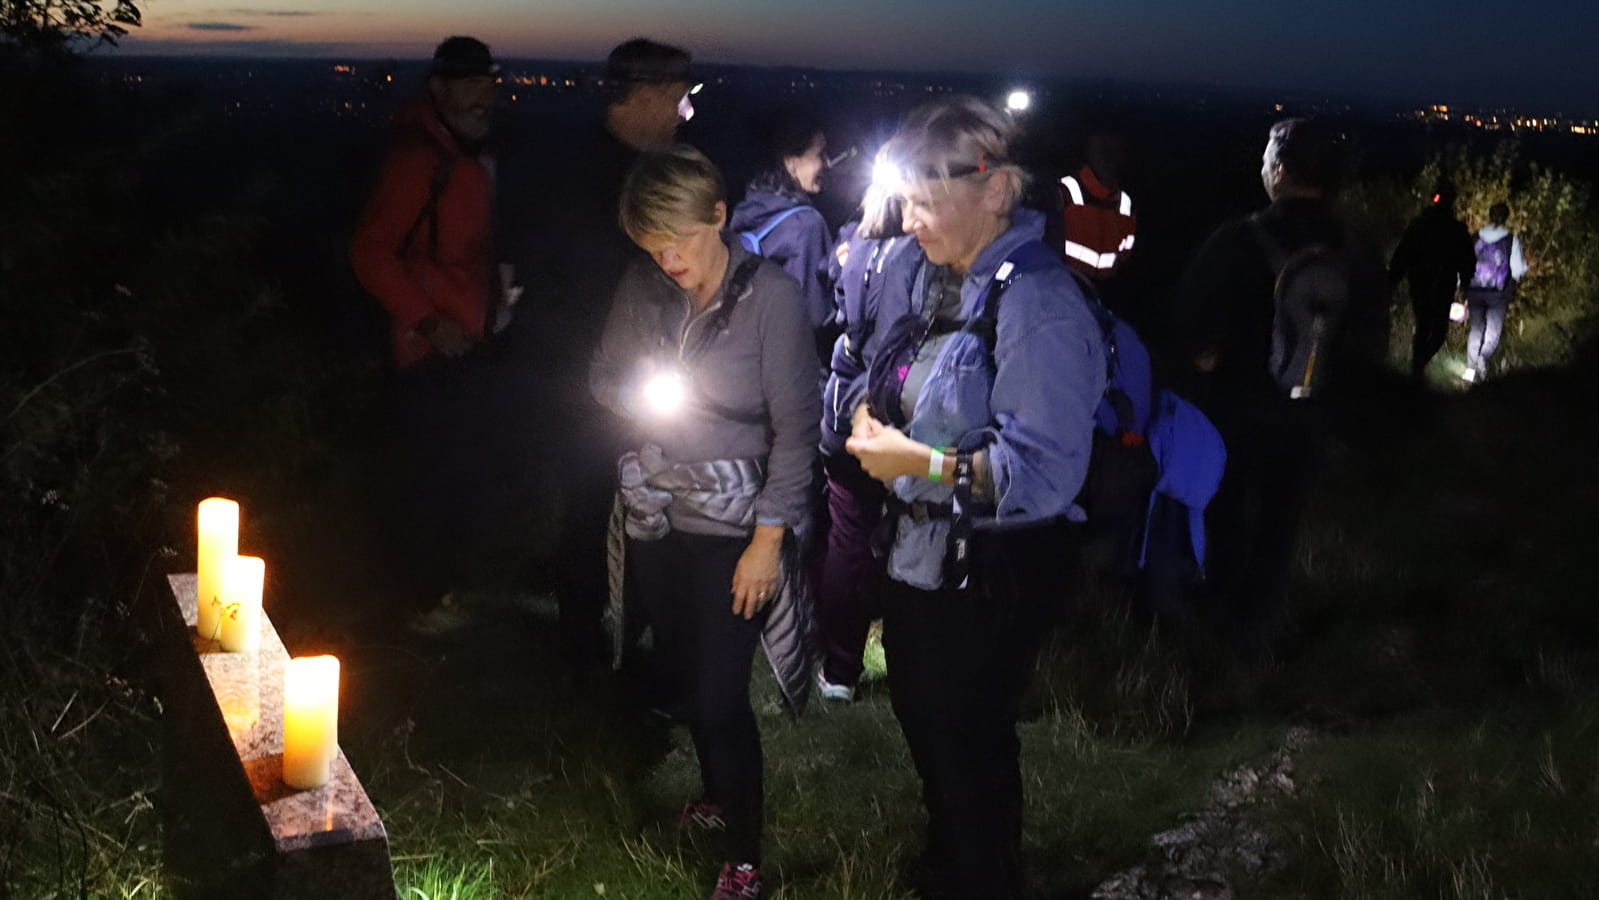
(799, 244)
(1034, 411)
(875, 269)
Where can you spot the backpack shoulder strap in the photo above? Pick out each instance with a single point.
(737, 287)
(1029, 257)
(776, 219)
(429, 213)
(1276, 254)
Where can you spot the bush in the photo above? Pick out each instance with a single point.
(1558, 301)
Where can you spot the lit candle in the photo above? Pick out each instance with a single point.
(219, 542)
(242, 579)
(310, 720)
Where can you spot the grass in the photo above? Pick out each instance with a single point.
(1443, 649)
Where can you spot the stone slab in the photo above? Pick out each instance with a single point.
(274, 842)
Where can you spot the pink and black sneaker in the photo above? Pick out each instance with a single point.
(699, 816)
(738, 881)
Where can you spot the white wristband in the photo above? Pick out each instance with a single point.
(935, 465)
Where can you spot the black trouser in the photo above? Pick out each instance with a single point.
(1274, 449)
(1429, 304)
(684, 582)
(453, 446)
(958, 661)
(849, 576)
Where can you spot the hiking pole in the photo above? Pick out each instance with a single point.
(1302, 390)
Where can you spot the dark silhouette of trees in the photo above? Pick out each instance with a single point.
(63, 26)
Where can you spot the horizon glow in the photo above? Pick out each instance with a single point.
(1356, 46)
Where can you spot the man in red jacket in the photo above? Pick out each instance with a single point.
(425, 247)
(426, 250)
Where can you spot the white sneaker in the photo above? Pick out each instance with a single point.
(445, 620)
(841, 693)
(1469, 376)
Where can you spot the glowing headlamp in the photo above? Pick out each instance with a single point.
(832, 161)
(665, 393)
(1018, 101)
(685, 106)
(887, 177)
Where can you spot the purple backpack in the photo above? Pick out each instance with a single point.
(1493, 264)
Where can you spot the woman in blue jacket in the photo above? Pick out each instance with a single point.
(779, 197)
(875, 260)
(981, 425)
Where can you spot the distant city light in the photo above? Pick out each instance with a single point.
(1018, 101)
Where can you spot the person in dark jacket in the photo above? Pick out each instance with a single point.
(798, 241)
(425, 248)
(1435, 254)
(707, 353)
(1224, 311)
(582, 251)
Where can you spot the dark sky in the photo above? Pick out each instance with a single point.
(1537, 53)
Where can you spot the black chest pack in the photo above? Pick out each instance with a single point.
(1121, 468)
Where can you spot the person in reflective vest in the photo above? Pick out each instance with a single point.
(1100, 224)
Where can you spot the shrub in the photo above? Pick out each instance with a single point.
(1555, 308)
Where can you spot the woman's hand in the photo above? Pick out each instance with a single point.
(755, 577)
(885, 452)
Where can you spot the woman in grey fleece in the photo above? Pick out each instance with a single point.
(708, 352)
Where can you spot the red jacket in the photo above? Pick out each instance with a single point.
(450, 274)
(1100, 224)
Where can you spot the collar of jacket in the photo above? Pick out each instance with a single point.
(1025, 225)
(1092, 183)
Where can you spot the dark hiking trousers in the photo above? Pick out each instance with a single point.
(848, 582)
(451, 449)
(1274, 449)
(684, 582)
(958, 661)
(1429, 304)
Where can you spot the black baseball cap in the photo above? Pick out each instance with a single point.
(643, 61)
(463, 57)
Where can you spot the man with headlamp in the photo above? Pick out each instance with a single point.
(646, 86)
(707, 352)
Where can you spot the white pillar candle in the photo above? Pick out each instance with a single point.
(310, 720)
(219, 542)
(242, 580)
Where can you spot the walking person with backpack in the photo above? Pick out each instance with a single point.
(425, 249)
(1500, 268)
(978, 417)
(777, 220)
(1275, 314)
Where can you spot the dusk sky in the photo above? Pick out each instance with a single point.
(1536, 51)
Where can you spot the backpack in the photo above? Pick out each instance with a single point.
(1493, 263)
(1123, 469)
(1311, 294)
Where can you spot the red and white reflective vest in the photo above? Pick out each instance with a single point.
(1100, 224)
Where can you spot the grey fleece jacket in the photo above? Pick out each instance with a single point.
(752, 391)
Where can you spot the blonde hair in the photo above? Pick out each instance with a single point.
(958, 133)
(667, 191)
